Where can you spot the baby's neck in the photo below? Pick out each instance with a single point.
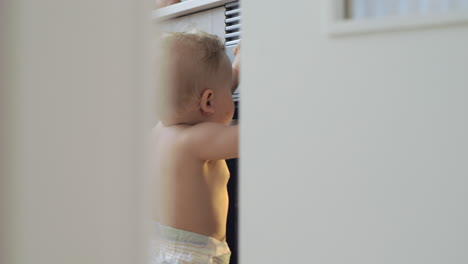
(188, 120)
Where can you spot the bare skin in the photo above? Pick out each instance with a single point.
(190, 162)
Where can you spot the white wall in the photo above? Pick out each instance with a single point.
(353, 149)
(75, 105)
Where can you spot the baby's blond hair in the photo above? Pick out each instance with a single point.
(190, 62)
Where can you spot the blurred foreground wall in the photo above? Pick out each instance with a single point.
(75, 107)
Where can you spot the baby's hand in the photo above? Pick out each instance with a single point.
(237, 48)
(236, 67)
(236, 64)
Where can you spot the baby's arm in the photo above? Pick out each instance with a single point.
(212, 141)
(236, 68)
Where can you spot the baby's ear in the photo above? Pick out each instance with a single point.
(206, 102)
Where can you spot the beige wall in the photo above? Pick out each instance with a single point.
(79, 103)
(354, 149)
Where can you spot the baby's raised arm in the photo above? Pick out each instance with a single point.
(236, 68)
(212, 141)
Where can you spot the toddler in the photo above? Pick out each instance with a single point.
(193, 139)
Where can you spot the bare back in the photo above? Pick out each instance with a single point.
(192, 191)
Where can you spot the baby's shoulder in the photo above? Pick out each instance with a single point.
(170, 136)
(180, 136)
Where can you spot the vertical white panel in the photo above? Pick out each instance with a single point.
(77, 89)
(357, 154)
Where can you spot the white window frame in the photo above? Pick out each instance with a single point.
(336, 25)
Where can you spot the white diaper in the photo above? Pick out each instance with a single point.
(175, 246)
